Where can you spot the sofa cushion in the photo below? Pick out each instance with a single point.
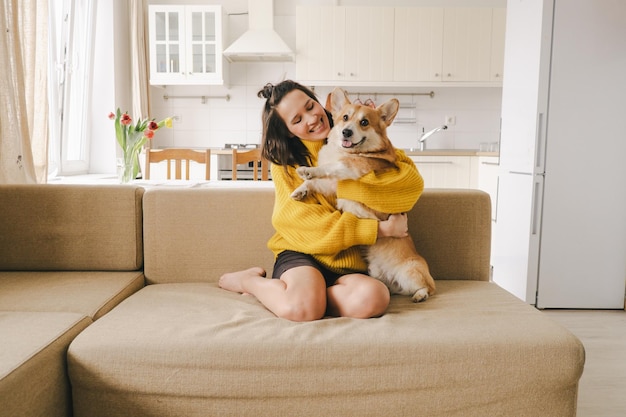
(33, 378)
(70, 227)
(196, 350)
(91, 293)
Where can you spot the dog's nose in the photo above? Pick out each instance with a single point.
(347, 133)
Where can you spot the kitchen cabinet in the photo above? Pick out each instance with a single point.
(498, 34)
(418, 44)
(449, 44)
(488, 180)
(399, 45)
(447, 171)
(347, 44)
(467, 44)
(186, 45)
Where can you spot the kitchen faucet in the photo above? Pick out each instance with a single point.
(426, 135)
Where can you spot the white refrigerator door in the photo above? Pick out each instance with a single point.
(524, 106)
(511, 243)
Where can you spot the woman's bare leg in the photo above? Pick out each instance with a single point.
(358, 296)
(299, 294)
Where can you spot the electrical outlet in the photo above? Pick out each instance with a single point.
(450, 120)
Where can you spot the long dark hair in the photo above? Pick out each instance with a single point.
(279, 145)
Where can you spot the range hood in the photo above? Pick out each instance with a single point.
(260, 42)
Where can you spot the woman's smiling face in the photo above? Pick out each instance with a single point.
(303, 116)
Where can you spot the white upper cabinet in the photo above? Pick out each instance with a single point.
(418, 44)
(399, 45)
(186, 45)
(498, 29)
(348, 44)
(467, 44)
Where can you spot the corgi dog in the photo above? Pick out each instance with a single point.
(358, 144)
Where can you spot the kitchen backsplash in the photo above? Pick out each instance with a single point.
(217, 120)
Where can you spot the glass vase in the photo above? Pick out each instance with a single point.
(127, 168)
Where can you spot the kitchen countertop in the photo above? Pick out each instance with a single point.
(409, 152)
(448, 152)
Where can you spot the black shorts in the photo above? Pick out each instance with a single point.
(291, 259)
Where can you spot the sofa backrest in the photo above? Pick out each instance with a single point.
(451, 229)
(199, 234)
(70, 227)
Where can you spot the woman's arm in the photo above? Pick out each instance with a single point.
(314, 225)
(395, 191)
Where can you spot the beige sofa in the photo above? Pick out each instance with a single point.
(68, 255)
(181, 346)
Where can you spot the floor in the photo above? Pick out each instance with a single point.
(602, 389)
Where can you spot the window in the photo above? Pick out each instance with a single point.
(71, 38)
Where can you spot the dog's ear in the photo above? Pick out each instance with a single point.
(388, 110)
(338, 99)
(329, 102)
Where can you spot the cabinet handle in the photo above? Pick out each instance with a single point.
(436, 75)
(351, 74)
(489, 163)
(497, 75)
(339, 74)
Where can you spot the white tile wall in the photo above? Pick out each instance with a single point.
(218, 121)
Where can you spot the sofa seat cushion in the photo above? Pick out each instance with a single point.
(33, 378)
(91, 293)
(196, 350)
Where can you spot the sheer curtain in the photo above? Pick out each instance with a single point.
(140, 73)
(23, 91)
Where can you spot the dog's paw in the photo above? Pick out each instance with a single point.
(304, 173)
(299, 194)
(420, 295)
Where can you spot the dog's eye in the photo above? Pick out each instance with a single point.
(345, 117)
(365, 122)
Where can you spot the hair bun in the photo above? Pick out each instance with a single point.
(266, 91)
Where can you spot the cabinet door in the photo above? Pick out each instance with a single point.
(167, 44)
(337, 43)
(444, 171)
(186, 45)
(315, 37)
(488, 180)
(368, 46)
(418, 44)
(467, 44)
(498, 29)
(203, 40)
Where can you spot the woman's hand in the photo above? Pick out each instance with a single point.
(395, 226)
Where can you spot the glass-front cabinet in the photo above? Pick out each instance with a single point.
(186, 45)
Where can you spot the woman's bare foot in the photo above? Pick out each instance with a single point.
(234, 281)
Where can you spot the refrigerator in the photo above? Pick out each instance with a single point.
(559, 239)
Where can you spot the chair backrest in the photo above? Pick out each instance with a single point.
(246, 157)
(178, 156)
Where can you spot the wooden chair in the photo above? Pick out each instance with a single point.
(255, 157)
(178, 156)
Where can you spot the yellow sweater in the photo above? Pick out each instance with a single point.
(315, 227)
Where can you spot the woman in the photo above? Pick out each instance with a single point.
(319, 269)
